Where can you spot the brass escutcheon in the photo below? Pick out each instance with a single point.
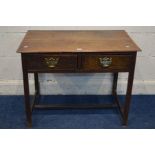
(51, 62)
(105, 61)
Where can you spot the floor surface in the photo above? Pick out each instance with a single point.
(142, 113)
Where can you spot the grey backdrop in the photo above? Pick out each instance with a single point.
(11, 72)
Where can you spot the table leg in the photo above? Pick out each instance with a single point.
(27, 99)
(128, 97)
(36, 81)
(125, 109)
(115, 79)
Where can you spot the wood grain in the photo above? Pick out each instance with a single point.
(90, 51)
(38, 41)
(66, 62)
(119, 62)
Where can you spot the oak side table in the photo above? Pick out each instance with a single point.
(81, 51)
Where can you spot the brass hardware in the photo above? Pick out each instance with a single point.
(106, 61)
(51, 62)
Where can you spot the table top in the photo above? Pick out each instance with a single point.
(44, 41)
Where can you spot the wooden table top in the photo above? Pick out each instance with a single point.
(44, 41)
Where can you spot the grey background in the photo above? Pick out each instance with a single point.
(11, 72)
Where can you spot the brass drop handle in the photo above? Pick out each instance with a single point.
(51, 62)
(105, 61)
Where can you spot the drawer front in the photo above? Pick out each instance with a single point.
(49, 62)
(106, 62)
